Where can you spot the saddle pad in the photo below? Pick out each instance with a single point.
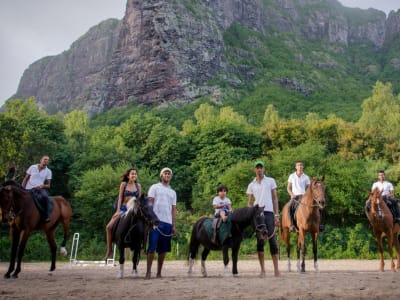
(224, 229)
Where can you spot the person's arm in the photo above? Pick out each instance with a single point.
(289, 190)
(120, 195)
(250, 200)
(173, 212)
(46, 184)
(25, 180)
(275, 205)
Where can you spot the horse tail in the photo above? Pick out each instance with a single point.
(194, 240)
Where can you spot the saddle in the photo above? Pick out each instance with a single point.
(38, 200)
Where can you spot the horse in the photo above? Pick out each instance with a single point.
(129, 230)
(381, 220)
(240, 219)
(18, 209)
(307, 217)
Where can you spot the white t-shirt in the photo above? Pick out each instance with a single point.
(299, 183)
(262, 192)
(164, 198)
(37, 177)
(218, 201)
(385, 186)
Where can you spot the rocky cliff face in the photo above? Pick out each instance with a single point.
(170, 50)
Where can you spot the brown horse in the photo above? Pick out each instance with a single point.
(381, 220)
(307, 217)
(19, 210)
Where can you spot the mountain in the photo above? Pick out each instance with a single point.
(300, 55)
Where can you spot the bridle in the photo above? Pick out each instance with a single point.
(9, 214)
(318, 200)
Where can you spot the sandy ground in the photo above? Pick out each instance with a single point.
(337, 279)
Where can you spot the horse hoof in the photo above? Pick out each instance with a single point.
(236, 275)
(135, 272)
(15, 276)
(6, 276)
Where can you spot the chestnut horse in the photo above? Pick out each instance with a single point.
(381, 220)
(307, 217)
(18, 209)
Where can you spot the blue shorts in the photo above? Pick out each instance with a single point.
(160, 238)
(123, 208)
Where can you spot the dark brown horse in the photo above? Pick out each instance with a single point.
(19, 210)
(129, 230)
(381, 220)
(307, 218)
(240, 219)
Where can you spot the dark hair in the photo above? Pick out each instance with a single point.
(381, 171)
(125, 177)
(222, 187)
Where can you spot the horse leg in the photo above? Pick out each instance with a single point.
(235, 254)
(135, 259)
(53, 248)
(301, 247)
(193, 248)
(20, 252)
(15, 234)
(315, 250)
(397, 246)
(286, 240)
(380, 250)
(204, 255)
(225, 256)
(389, 236)
(121, 248)
(65, 224)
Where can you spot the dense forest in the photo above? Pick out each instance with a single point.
(204, 143)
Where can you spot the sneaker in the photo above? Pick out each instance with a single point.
(292, 228)
(321, 228)
(47, 219)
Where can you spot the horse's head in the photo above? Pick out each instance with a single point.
(147, 211)
(7, 203)
(318, 192)
(376, 199)
(259, 223)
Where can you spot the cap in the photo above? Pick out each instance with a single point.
(165, 169)
(258, 163)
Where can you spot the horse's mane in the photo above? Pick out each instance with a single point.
(131, 205)
(14, 184)
(243, 213)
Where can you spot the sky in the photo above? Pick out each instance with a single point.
(33, 29)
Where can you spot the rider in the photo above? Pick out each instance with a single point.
(38, 178)
(221, 203)
(387, 194)
(128, 188)
(296, 188)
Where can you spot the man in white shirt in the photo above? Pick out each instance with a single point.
(296, 188)
(387, 194)
(38, 178)
(163, 199)
(262, 189)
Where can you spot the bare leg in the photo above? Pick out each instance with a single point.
(160, 262)
(150, 257)
(262, 264)
(275, 262)
(223, 215)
